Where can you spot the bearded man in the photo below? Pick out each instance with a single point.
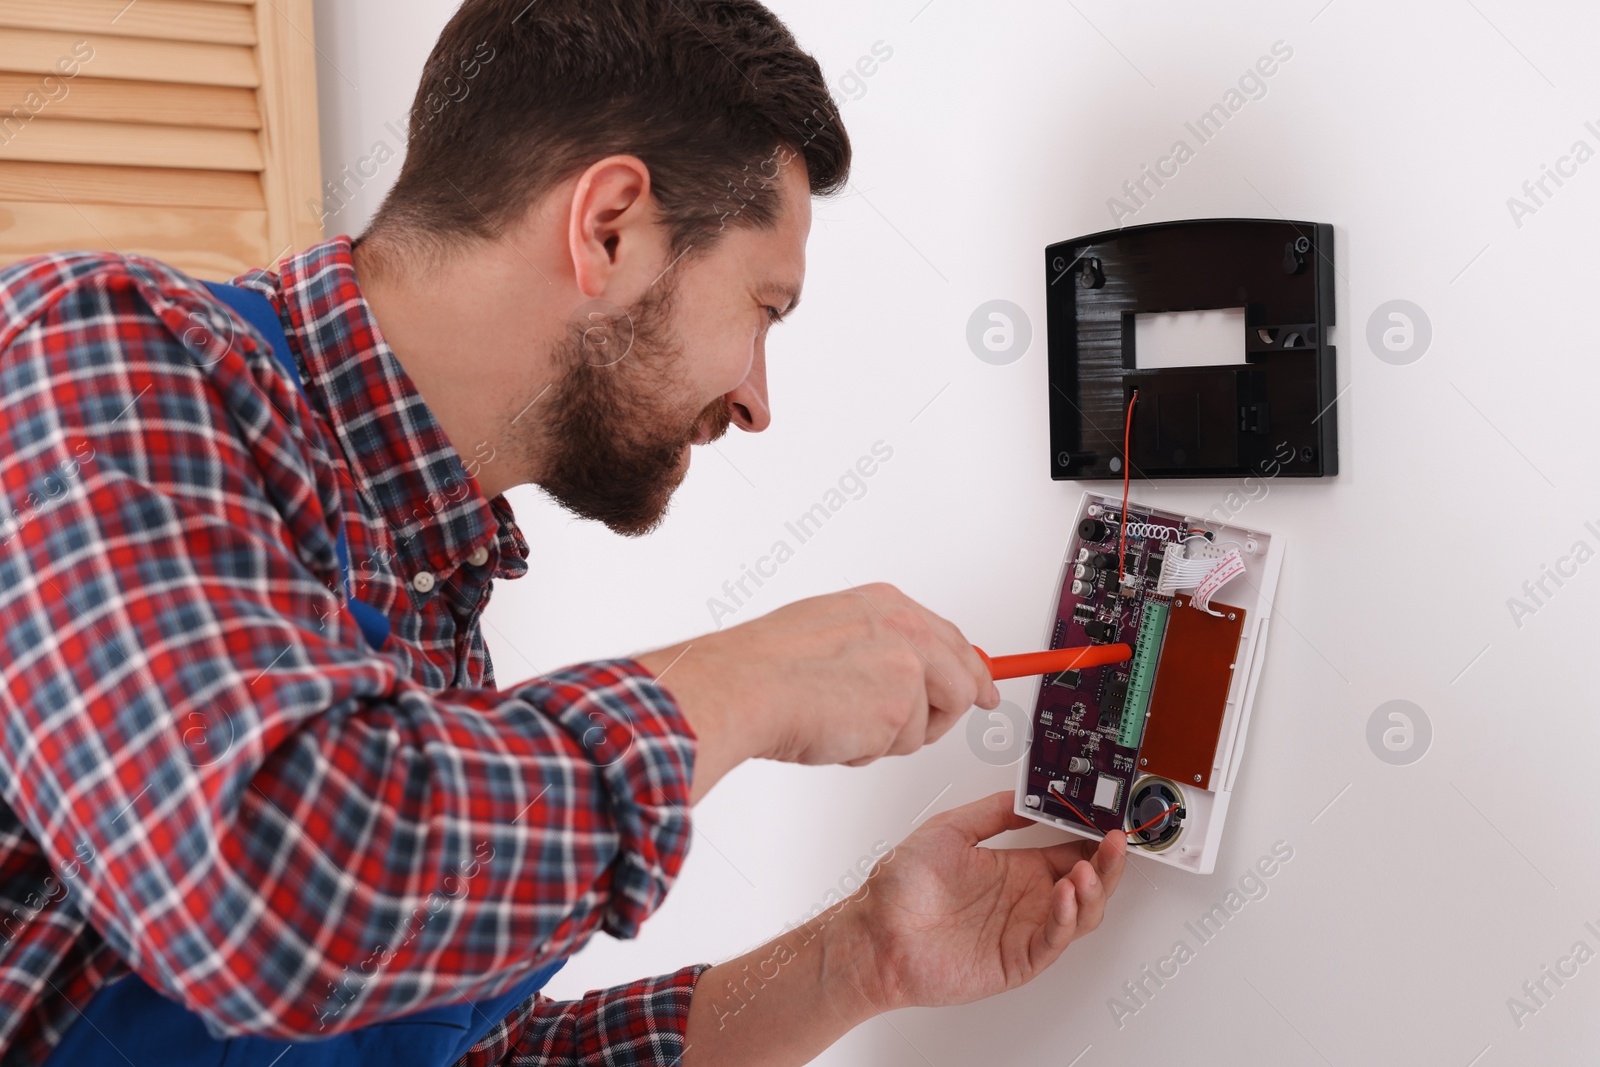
(264, 799)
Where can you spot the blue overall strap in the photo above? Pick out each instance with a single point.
(258, 311)
(127, 1022)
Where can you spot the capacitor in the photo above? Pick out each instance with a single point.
(1080, 588)
(1079, 765)
(1084, 572)
(1093, 530)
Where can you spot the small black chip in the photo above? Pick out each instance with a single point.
(1100, 632)
(1111, 706)
(1152, 568)
(1066, 679)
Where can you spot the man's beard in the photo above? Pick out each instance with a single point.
(612, 440)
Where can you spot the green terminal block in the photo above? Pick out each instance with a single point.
(1142, 680)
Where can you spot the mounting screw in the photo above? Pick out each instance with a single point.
(1232, 616)
(1090, 276)
(1294, 260)
(1197, 779)
(1144, 763)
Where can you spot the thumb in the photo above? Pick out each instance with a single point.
(1059, 927)
(983, 819)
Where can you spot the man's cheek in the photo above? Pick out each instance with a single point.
(732, 364)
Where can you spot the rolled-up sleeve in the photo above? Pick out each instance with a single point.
(641, 1024)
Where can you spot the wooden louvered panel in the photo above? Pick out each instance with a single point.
(170, 20)
(206, 241)
(39, 52)
(161, 103)
(292, 179)
(72, 183)
(132, 144)
(188, 133)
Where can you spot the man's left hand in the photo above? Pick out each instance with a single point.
(945, 920)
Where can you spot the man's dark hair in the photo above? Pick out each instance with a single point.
(713, 95)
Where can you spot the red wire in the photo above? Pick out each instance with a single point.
(1127, 472)
(1075, 811)
(1152, 822)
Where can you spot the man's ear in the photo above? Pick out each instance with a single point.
(612, 234)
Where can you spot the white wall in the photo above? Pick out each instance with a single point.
(1425, 895)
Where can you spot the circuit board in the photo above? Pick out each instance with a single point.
(1138, 746)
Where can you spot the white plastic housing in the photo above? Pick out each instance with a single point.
(1196, 846)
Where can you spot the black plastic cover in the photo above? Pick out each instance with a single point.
(1272, 415)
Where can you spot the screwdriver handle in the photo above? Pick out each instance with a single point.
(1060, 659)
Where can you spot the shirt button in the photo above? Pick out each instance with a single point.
(423, 582)
(479, 558)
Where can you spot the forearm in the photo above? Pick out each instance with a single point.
(785, 1002)
(725, 734)
(497, 787)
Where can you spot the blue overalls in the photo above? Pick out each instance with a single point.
(129, 1022)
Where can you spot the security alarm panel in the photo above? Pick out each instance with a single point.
(1151, 746)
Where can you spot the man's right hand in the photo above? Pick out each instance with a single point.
(844, 678)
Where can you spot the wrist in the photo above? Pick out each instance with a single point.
(850, 963)
(705, 693)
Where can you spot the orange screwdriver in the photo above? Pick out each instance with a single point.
(1060, 659)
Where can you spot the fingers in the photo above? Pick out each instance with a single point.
(950, 676)
(1091, 893)
(949, 680)
(970, 671)
(1110, 859)
(1060, 927)
(983, 819)
(1065, 856)
(957, 677)
(988, 695)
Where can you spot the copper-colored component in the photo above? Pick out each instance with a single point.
(1191, 692)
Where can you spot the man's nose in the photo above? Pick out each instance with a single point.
(749, 400)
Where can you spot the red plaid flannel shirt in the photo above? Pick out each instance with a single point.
(208, 778)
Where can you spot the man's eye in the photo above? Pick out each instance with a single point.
(773, 314)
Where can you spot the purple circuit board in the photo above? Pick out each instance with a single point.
(1079, 726)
